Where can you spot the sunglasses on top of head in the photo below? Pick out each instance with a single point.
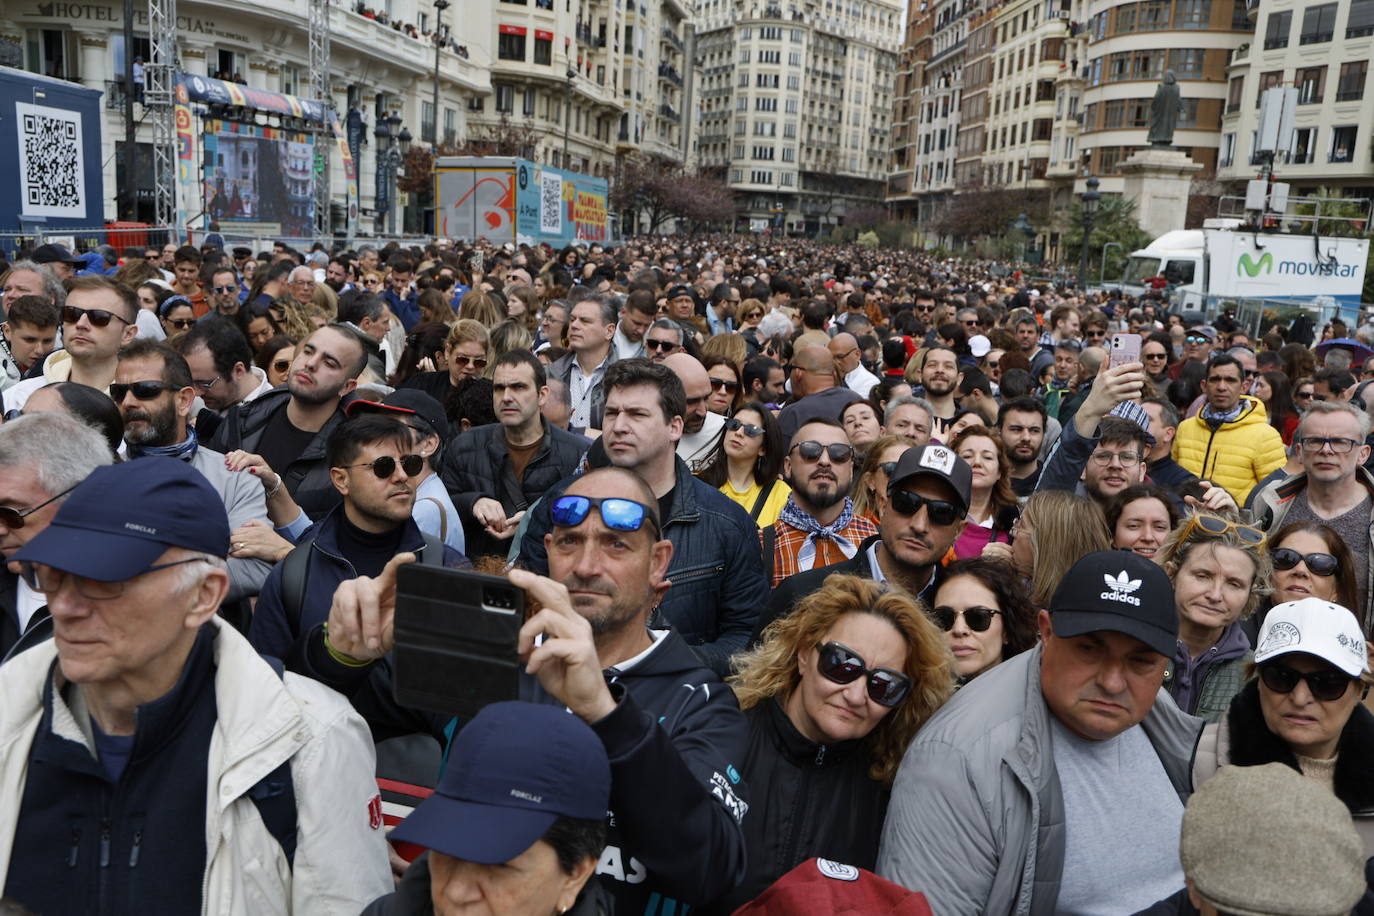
(842, 665)
(616, 513)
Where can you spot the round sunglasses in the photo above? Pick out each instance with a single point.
(385, 466)
(842, 665)
(1318, 564)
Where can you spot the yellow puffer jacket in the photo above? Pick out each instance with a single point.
(1237, 455)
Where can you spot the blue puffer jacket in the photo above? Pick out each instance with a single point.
(718, 585)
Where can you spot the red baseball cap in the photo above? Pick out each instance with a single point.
(823, 886)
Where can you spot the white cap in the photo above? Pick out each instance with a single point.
(1316, 627)
(979, 345)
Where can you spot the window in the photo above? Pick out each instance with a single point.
(763, 152)
(765, 104)
(766, 80)
(1343, 143)
(1192, 14)
(789, 154)
(427, 122)
(1277, 29)
(543, 50)
(770, 57)
(1268, 80)
(477, 103)
(789, 130)
(1304, 146)
(794, 58)
(765, 129)
(787, 179)
(528, 107)
(771, 33)
(450, 126)
(740, 128)
(744, 55)
(1310, 82)
(1318, 23)
(791, 106)
(794, 82)
(1351, 85)
(1234, 93)
(1186, 62)
(509, 46)
(505, 99)
(761, 177)
(1361, 21)
(742, 103)
(1154, 14)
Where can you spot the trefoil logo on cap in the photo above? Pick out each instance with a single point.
(1120, 588)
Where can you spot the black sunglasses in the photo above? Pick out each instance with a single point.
(1319, 564)
(13, 519)
(281, 365)
(477, 362)
(720, 384)
(887, 467)
(811, 450)
(180, 323)
(843, 665)
(144, 391)
(385, 466)
(1325, 686)
(977, 618)
(617, 514)
(750, 430)
(941, 512)
(651, 344)
(97, 317)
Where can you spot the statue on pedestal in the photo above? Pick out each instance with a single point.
(1165, 111)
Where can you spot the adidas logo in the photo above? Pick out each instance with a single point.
(1119, 588)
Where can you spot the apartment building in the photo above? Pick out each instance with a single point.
(796, 106)
(1324, 50)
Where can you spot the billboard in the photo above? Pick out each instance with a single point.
(559, 207)
(258, 179)
(1250, 265)
(514, 200)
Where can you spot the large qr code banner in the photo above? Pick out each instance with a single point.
(550, 204)
(52, 172)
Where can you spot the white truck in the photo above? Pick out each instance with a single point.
(1219, 262)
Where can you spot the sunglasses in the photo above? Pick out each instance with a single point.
(750, 430)
(97, 317)
(720, 384)
(941, 512)
(1216, 526)
(843, 665)
(1319, 564)
(385, 466)
(887, 467)
(1325, 686)
(477, 362)
(281, 365)
(224, 289)
(1302, 396)
(1194, 339)
(13, 519)
(665, 345)
(811, 450)
(977, 618)
(616, 513)
(1155, 356)
(180, 323)
(143, 391)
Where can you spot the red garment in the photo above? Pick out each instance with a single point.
(823, 886)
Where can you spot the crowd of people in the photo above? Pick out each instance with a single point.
(855, 579)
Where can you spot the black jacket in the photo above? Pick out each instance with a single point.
(805, 800)
(9, 612)
(676, 741)
(306, 478)
(412, 896)
(477, 465)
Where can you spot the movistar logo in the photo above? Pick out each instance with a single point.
(1252, 268)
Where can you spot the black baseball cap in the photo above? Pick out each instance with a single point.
(1119, 591)
(406, 402)
(939, 462)
(50, 253)
(680, 290)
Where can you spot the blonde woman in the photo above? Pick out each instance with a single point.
(484, 308)
(1055, 530)
(467, 353)
(834, 693)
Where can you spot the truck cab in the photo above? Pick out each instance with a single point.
(1178, 257)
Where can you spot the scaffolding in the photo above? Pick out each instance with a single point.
(158, 93)
(320, 89)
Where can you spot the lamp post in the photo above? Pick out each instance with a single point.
(393, 142)
(439, 7)
(567, 113)
(1090, 201)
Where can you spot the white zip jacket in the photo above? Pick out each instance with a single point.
(340, 863)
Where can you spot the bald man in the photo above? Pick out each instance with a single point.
(815, 392)
(844, 347)
(700, 427)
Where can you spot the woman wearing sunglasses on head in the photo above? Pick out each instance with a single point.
(985, 613)
(834, 693)
(1303, 710)
(747, 461)
(1218, 567)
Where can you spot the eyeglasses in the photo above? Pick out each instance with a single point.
(180, 324)
(842, 665)
(810, 450)
(978, 618)
(13, 519)
(666, 346)
(385, 466)
(1338, 445)
(477, 362)
(205, 384)
(45, 579)
(143, 391)
(616, 513)
(281, 365)
(941, 512)
(97, 317)
(750, 430)
(1325, 686)
(720, 384)
(1104, 459)
(1216, 526)
(1319, 564)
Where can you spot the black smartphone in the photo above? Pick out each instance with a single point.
(457, 635)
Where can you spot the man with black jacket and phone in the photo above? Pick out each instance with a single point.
(672, 730)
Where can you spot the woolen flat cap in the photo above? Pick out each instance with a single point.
(1268, 841)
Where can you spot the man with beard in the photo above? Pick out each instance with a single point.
(1104, 450)
(154, 392)
(940, 377)
(817, 526)
(1022, 425)
(700, 427)
(289, 426)
(336, 274)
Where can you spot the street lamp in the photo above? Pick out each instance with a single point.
(393, 142)
(439, 7)
(1090, 201)
(567, 111)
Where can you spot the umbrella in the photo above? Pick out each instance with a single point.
(1359, 352)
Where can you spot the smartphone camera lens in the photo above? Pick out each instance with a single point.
(498, 599)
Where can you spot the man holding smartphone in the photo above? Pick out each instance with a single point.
(676, 793)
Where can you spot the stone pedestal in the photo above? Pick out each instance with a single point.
(1157, 179)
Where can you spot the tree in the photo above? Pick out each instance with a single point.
(503, 137)
(644, 186)
(1336, 215)
(702, 201)
(1114, 221)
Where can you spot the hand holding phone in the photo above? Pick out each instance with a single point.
(565, 661)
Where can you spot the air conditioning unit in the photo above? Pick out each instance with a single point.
(1061, 14)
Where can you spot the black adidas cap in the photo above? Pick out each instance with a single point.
(1120, 591)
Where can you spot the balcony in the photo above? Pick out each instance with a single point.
(669, 73)
(671, 37)
(114, 95)
(668, 112)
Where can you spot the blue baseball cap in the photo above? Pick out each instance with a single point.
(512, 771)
(121, 518)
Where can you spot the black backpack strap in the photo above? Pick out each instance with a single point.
(769, 536)
(275, 795)
(762, 498)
